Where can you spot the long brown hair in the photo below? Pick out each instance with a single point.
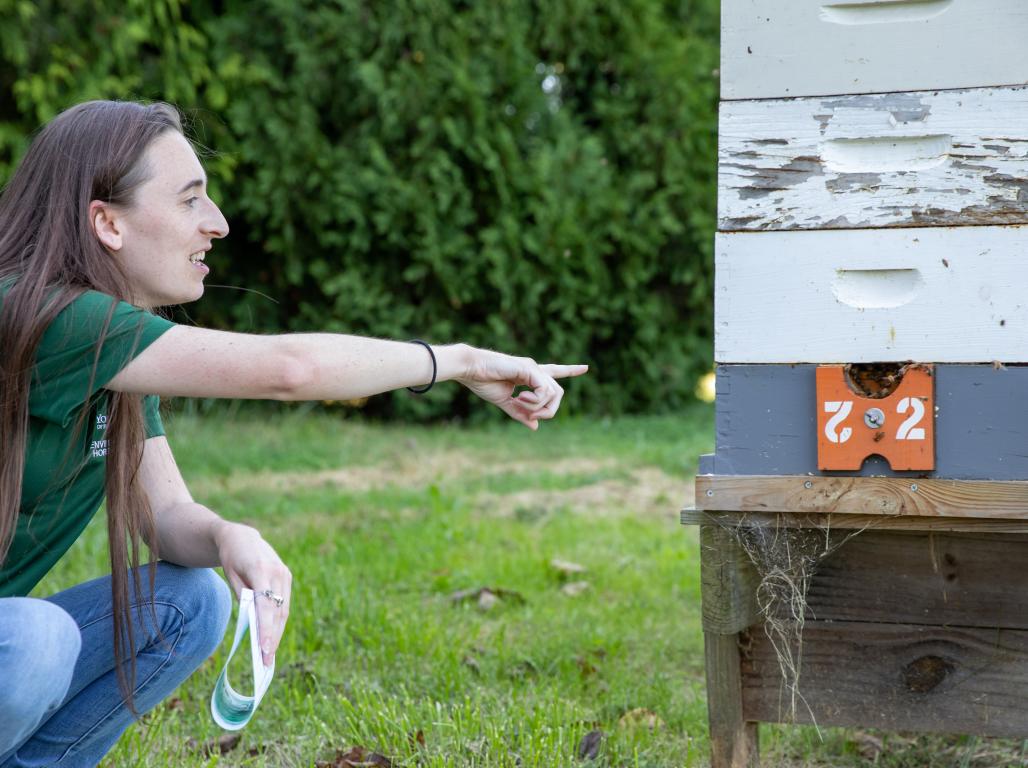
(48, 249)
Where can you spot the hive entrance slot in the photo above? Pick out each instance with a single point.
(876, 288)
(874, 380)
(883, 11)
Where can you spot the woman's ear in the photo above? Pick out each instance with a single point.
(106, 224)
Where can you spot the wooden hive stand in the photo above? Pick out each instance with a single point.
(872, 203)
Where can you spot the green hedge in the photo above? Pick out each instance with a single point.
(532, 177)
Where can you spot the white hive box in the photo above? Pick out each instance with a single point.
(923, 158)
(777, 48)
(894, 211)
(955, 295)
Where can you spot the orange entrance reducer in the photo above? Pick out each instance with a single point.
(900, 427)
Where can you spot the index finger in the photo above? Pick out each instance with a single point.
(564, 371)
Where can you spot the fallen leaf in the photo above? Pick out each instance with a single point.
(585, 666)
(566, 568)
(640, 717)
(357, 757)
(219, 746)
(227, 742)
(868, 745)
(486, 597)
(175, 703)
(523, 669)
(589, 746)
(575, 588)
(416, 739)
(301, 672)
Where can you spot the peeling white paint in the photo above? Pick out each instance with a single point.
(875, 160)
(889, 153)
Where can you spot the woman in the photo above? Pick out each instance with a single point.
(107, 218)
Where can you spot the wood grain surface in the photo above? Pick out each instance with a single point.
(897, 677)
(1004, 500)
(938, 578)
(694, 516)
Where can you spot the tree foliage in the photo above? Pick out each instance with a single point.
(531, 177)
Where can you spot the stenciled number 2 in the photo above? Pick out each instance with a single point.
(908, 430)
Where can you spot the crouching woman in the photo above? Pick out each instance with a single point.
(106, 219)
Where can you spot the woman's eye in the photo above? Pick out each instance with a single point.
(192, 201)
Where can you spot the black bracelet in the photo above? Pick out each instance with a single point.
(435, 368)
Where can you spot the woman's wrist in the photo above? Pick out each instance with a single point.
(225, 529)
(453, 360)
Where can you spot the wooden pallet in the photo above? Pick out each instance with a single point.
(918, 622)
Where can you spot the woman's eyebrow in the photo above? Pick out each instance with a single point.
(191, 184)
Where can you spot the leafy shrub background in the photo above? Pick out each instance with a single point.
(533, 177)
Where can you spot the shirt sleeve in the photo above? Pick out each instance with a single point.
(152, 416)
(76, 357)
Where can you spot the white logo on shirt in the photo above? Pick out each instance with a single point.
(98, 448)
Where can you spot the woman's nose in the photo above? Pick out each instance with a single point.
(215, 225)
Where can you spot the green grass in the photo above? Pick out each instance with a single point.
(382, 524)
(377, 651)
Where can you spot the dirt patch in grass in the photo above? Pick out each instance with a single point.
(641, 490)
(645, 491)
(404, 471)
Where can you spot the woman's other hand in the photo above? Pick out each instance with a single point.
(249, 561)
(494, 376)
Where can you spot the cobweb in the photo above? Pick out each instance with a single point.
(786, 558)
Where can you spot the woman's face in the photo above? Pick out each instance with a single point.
(166, 233)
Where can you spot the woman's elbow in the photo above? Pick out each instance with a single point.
(295, 373)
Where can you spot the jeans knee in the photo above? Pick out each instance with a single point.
(207, 602)
(39, 645)
(217, 604)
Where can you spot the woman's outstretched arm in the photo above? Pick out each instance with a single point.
(196, 362)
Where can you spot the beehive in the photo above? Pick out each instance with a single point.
(872, 203)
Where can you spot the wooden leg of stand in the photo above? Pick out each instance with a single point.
(733, 740)
(728, 588)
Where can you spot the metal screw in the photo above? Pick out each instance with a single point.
(710, 492)
(874, 418)
(913, 487)
(808, 484)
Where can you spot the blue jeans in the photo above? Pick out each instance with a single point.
(59, 698)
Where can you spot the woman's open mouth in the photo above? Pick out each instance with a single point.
(197, 261)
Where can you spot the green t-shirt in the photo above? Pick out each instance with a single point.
(63, 482)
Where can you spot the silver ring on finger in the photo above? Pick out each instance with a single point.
(274, 596)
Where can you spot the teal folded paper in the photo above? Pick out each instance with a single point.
(232, 710)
